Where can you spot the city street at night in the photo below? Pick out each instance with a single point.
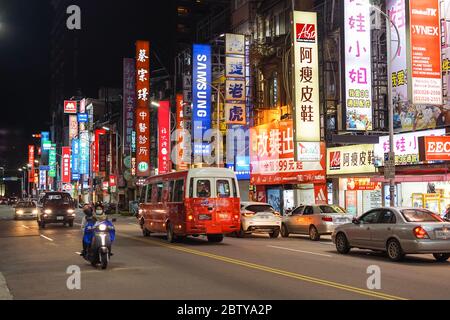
(34, 264)
(225, 158)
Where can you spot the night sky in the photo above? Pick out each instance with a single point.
(110, 28)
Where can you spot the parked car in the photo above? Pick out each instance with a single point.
(3, 200)
(314, 220)
(259, 217)
(396, 231)
(57, 207)
(12, 200)
(26, 209)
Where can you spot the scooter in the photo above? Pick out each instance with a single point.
(99, 252)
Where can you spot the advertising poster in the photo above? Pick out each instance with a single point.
(358, 70)
(274, 198)
(164, 137)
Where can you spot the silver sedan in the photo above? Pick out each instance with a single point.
(314, 220)
(396, 231)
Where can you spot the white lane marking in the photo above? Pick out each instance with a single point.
(133, 224)
(49, 239)
(295, 250)
(25, 226)
(77, 253)
(328, 243)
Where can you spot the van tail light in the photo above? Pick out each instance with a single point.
(420, 233)
(327, 219)
(190, 217)
(236, 216)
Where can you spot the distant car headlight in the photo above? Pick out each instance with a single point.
(70, 211)
(47, 211)
(35, 211)
(102, 227)
(19, 211)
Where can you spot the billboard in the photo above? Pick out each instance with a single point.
(306, 78)
(272, 157)
(142, 142)
(52, 161)
(164, 137)
(70, 107)
(65, 165)
(75, 156)
(425, 52)
(201, 93)
(31, 162)
(73, 126)
(358, 70)
(182, 142)
(351, 159)
(434, 148)
(84, 152)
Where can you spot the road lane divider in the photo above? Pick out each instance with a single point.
(297, 276)
(25, 227)
(301, 251)
(49, 239)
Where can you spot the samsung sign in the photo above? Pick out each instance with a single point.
(201, 90)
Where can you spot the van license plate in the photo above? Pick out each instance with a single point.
(59, 218)
(204, 217)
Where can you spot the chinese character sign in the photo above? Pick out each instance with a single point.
(182, 140)
(142, 73)
(65, 165)
(306, 78)
(235, 67)
(84, 152)
(351, 159)
(52, 161)
(164, 137)
(75, 156)
(235, 90)
(31, 161)
(425, 52)
(73, 126)
(235, 113)
(234, 43)
(201, 91)
(129, 102)
(142, 142)
(358, 70)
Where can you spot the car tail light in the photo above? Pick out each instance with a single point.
(420, 233)
(277, 214)
(248, 213)
(327, 219)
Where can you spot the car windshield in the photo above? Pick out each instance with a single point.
(418, 215)
(57, 198)
(25, 205)
(331, 209)
(260, 208)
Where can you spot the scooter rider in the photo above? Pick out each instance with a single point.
(101, 217)
(87, 225)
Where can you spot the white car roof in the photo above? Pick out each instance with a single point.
(250, 203)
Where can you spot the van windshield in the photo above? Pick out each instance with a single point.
(203, 188)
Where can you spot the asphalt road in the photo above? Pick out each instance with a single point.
(34, 263)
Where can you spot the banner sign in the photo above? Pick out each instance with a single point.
(363, 184)
(425, 51)
(73, 126)
(65, 165)
(406, 146)
(42, 179)
(164, 137)
(75, 156)
(129, 97)
(84, 152)
(272, 157)
(45, 140)
(31, 162)
(142, 73)
(358, 62)
(306, 78)
(142, 142)
(351, 159)
(52, 161)
(201, 93)
(82, 117)
(182, 142)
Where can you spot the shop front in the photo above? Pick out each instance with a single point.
(421, 169)
(351, 174)
(275, 177)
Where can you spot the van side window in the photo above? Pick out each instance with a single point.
(154, 193)
(148, 194)
(234, 188)
(191, 188)
(169, 189)
(223, 189)
(159, 191)
(178, 191)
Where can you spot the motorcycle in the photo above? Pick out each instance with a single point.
(99, 252)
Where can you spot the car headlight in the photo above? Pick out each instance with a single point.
(102, 227)
(19, 211)
(35, 211)
(70, 211)
(47, 211)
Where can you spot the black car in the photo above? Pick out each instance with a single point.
(57, 207)
(12, 200)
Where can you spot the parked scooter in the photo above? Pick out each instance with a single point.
(103, 235)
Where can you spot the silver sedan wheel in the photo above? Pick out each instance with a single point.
(394, 250)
